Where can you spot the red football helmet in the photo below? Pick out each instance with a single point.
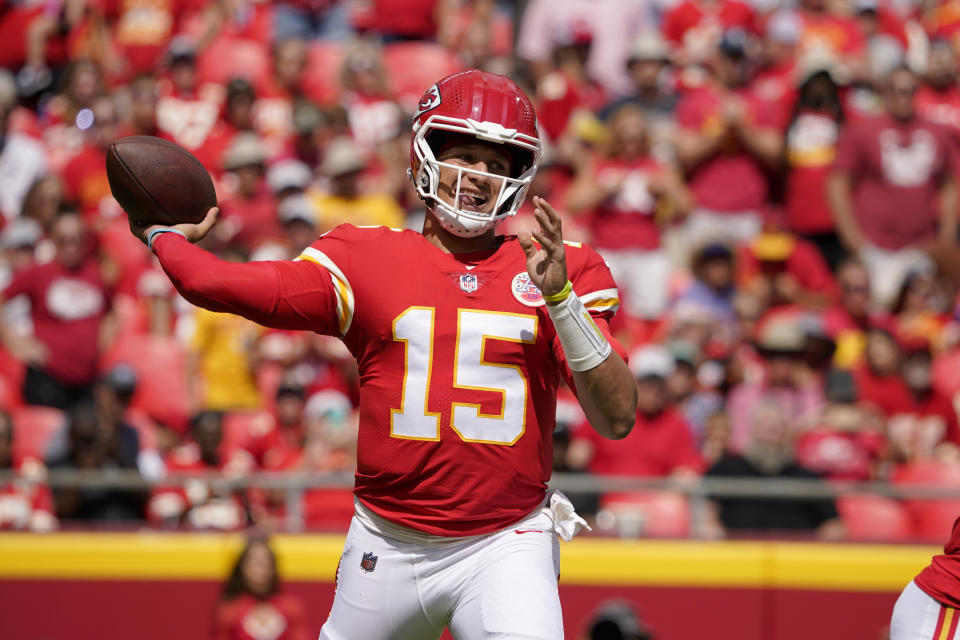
(491, 108)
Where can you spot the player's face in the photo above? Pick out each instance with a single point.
(477, 192)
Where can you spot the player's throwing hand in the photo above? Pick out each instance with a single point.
(546, 263)
(192, 232)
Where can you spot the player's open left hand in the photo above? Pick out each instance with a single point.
(546, 263)
(194, 232)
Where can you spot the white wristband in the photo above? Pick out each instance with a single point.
(584, 346)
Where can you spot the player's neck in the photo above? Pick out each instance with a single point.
(449, 243)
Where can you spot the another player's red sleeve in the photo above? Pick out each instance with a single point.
(283, 295)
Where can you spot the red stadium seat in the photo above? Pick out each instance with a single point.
(656, 514)
(328, 509)
(321, 80)
(160, 363)
(228, 58)
(33, 429)
(932, 520)
(874, 519)
(413, 66)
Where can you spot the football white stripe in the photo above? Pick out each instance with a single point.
(341, 286)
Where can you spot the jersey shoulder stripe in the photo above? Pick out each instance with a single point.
(341, 286)
(602, 300)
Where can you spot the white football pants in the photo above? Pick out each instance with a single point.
(917, 616)
(500, 586)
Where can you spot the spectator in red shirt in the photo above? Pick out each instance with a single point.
(627, 195)
(85, 176)
(253, 606)
(888, 165)
(661, 444)
(938, 98)
(811, 144)
(845, 441)
(696, 27)
(25, 501)
(186, 110)
(925, 426)
(249, 214)
(727, 144)
(198, 504)
(70, 306)
(849, 320)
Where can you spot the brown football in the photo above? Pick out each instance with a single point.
(158, 182)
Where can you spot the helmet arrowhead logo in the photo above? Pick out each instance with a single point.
(430, 100)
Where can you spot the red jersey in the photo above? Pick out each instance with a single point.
(941, 580)
(811, 148)
(66, 306)
(942, 107)
(26, 502)
(626, 220)
(459, 365)
(279, 617)
(895, 167)
(731, 180)
(701, 25)
(657, 446)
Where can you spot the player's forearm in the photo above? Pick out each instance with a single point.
(283, 295)
(608, 396)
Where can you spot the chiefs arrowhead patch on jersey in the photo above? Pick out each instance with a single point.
(430, 100)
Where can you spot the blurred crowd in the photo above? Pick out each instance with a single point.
(773, 184)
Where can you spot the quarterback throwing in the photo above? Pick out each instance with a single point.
(461, 337)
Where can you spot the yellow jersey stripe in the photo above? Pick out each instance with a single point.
(341, 286)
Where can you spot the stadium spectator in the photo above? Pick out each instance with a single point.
(25, 501)
(696, 27)
(813, 131)
(769, 454)
(253, 604)
(237, 118)
(250, 211)
(70, 307)
(143, 96)
(661, 443)
(223, 362)
(938, 98)
(94, 444)
(44, 200)
(186, 110)
(617, 20)
(781, 346)
(886, 165)
(374, 117)
(628, 195)
(345, 200)
(81, 82)
(845, 441)
(925, 427)
(85, 175)
(299, 222)
(727, 143)
(848, 322)
(199, 504)
(922, 312)
(22, 160)
(713, 288)
(652, 91)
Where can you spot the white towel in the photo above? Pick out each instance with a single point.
(566, 522)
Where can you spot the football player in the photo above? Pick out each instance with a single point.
(928, 606)
(461, 337)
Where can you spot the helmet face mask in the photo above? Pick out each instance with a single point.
(493, 110)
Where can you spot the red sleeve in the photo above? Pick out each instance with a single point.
(282, 295)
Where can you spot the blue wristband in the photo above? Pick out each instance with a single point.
(153, 234)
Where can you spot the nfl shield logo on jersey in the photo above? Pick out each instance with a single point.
(525, 291)
(369, 562)
(469, 282)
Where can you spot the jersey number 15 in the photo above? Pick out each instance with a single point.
(412, 420)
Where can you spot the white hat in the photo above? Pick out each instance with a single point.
(652, 361)
(341, 156)
(288, 174)
(21, 232)
(327, 402)
(296, 207)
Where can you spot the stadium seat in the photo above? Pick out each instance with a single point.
(328, 509)
(413, 66)
(655, 514)
(874, 519)
(228, 58)
(931, 519)
(160, 363)
(321, 80)
(34, 428)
